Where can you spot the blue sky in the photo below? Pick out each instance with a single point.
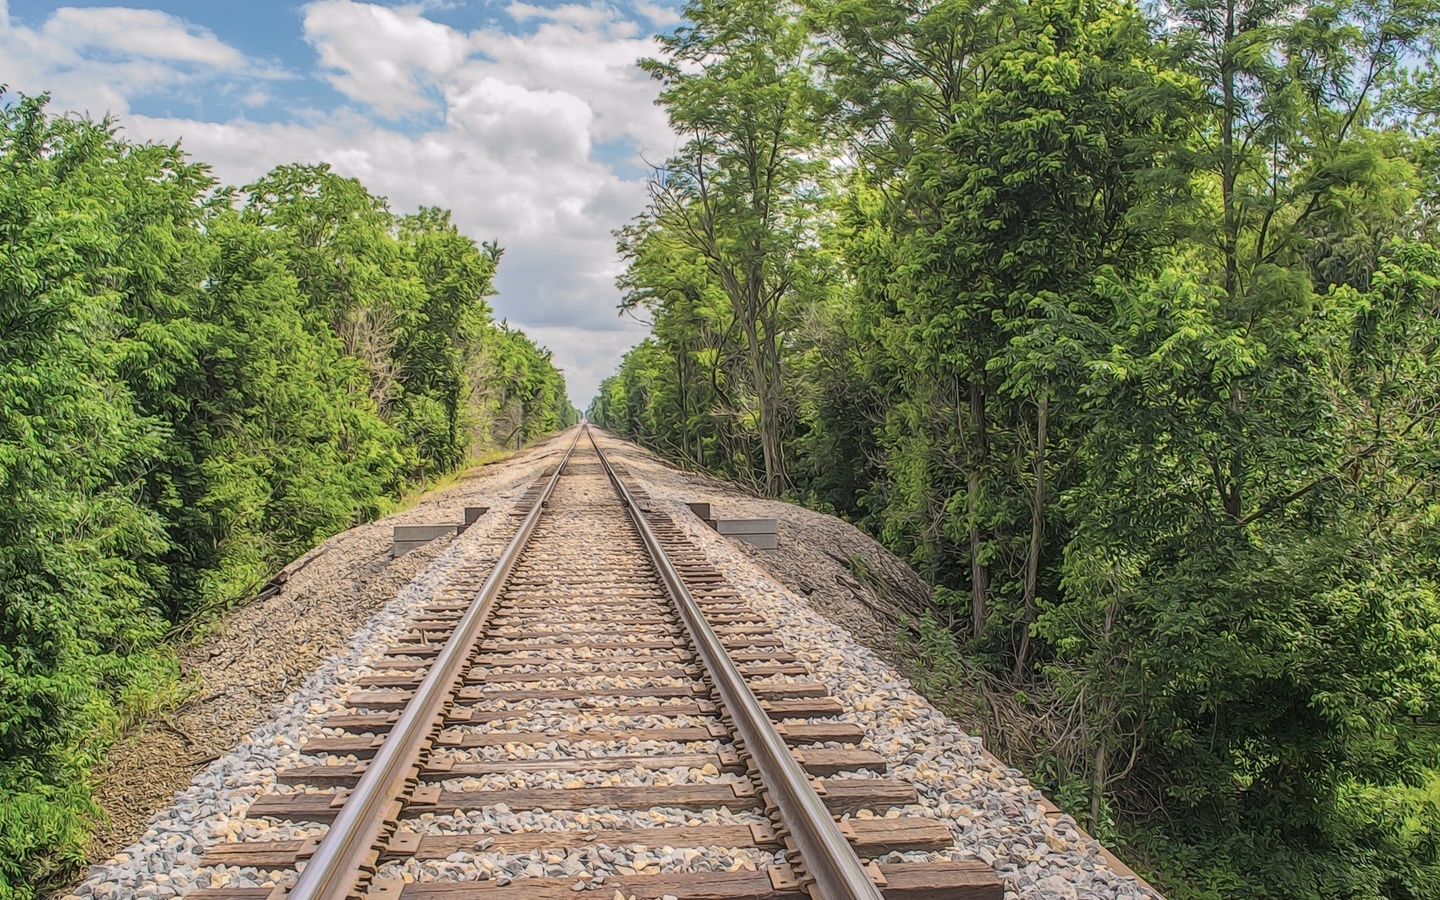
(528, 119)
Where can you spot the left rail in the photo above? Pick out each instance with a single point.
(827, 855)
(339, 860)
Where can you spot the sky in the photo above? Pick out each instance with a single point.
(530, 121)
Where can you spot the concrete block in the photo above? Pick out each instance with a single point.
(423, 532)
(759, 541)
(472, 515)
(701, 510)
(745, 526)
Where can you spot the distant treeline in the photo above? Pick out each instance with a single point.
(197, 384)
(1120, 322)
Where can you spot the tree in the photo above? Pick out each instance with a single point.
(192, 395)
(1006, 174)
(438, 346)
(78, 625)
(740, 193)
(1131, 354)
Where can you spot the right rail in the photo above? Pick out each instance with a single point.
(601, 673)
(825, 853)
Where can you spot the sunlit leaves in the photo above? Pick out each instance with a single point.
(1199, 250)
(194, 391)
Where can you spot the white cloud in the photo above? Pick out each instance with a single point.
(400, 63)
(96, 59)
(145, 33)
(591, 17)
(659, 15)
(588, 52)
(587, 355)
(388, 58)
(524, 126)
(429, 6)
(514, 154)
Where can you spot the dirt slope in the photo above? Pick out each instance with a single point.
(257, 654)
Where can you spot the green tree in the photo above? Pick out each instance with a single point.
(78, 628)
(703, 416)
(439, 348)
(1014, 153)
(1133, 355)
(740, 193)
(191, 395)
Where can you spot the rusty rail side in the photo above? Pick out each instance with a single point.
(824, 851)
(334, 871)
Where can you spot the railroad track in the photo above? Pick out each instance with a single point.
(601, 707)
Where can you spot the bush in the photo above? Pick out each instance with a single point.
(190, 396)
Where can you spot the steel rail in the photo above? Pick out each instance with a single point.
(827, 855)
(333, 872)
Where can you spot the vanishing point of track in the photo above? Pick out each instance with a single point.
(600, 634)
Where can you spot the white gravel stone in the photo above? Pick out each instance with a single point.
(991, 810)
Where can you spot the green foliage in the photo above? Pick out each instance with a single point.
(731, 214)
(1132, 352)
(192, 394)
(78, 630)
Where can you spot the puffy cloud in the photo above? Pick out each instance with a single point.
(588, 52)
(659, 15)
(587, 17)
(98, 58)
(522, 125)
(392, 59)
(144, 33)
(525, 117)
(587, 355)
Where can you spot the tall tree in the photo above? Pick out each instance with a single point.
(1291, 88)
(78, 624)
(1134, 356)
(741, 192)
(1016, 152)
(188, 400)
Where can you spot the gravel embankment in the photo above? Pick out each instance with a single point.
(990, 809)
(270, 669)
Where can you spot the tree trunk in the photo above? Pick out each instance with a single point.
(682, 388)
(1097, 783)
(1101, 774)
(1228, 167)
(1234, 497)
(766, 392)
(774, 431)
(979, 574)
(1037, 533)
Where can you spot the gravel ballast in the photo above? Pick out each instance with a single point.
(251, 662)
(991, 810)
